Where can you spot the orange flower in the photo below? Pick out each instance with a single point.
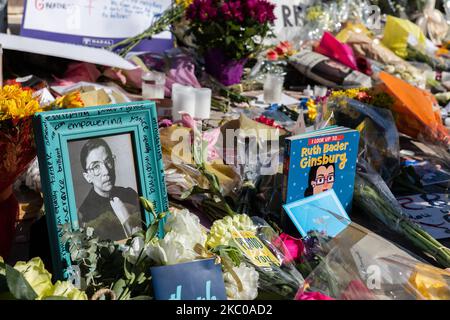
(17, 103)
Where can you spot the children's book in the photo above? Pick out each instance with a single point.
(322, 213)
(319, 161)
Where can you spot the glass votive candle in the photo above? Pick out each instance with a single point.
(153, 85)
(273, 87)
(202, 103)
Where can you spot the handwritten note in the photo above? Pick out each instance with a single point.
(430, 211)
(95, 23)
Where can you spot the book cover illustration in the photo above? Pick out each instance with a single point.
(322, 213)
(320, 161)
(196, 280)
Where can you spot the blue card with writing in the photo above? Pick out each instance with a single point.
(322, 213)
(196, 280)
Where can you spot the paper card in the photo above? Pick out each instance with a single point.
(430, 211)
(430, 174)
(322, 213)
(95, 23)
(254, 249)
(197, 280)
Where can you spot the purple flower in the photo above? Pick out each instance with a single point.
(202, 10)
(232, 10)
(261, 10)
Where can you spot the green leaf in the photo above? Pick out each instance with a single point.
(18, 285)
(119, 286)
(142, 298)
(151, 232)
(141, 278)
(195, 190)
(55, 298)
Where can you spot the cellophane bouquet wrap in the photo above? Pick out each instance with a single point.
(258, 247)
(360, 265)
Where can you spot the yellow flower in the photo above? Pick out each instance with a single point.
(349, 93)
(312, 109)
(37, 276)
(68, 290)
(71, 100)
(221, 230)
(430, 283)
(17, 103)
(185, 3)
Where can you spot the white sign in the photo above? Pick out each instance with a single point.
(102, 21)
(430, 211)
(289, 22)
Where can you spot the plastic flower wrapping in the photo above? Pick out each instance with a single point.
(261, 249)
(360, 265)
(17, 147)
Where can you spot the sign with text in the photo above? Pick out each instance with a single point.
(196, 280)
(289, 22)
(291, 18)
(95, 23)
(431, 211)
(254, 249)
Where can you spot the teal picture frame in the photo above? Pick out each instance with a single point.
(54, 130)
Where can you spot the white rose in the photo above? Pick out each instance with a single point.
(249, 279)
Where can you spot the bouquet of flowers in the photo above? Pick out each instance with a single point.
(227, 32)
(360, 265)
(166, 19)
(17, 148)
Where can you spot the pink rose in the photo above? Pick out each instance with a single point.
(311, 296)
(295, 248)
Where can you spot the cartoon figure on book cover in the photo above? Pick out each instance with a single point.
(321, 179)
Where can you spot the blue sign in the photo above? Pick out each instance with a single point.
(197, 280)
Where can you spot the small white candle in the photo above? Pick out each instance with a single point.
(202, 103)
(183, 101)
(176, 87)
(273, 87)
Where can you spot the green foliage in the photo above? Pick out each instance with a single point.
(123, 268)
(13, 285)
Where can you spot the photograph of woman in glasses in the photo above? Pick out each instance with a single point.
(321, 179)
(112, 210)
